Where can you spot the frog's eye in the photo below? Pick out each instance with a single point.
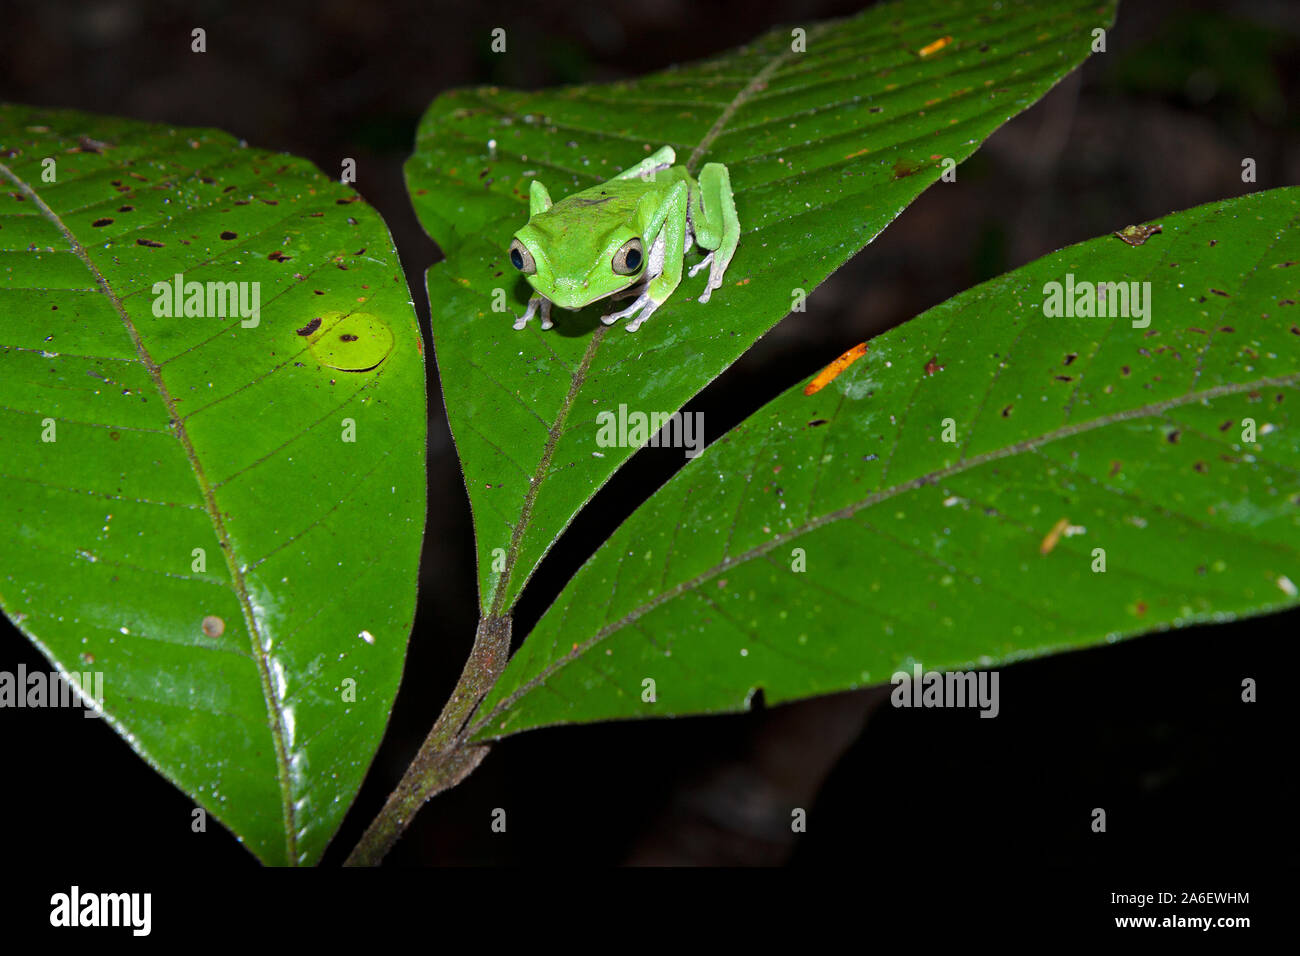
(628, 259)
(521, 258)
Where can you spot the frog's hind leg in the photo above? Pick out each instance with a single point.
(717, 228)
(659, 160)
(664, 268)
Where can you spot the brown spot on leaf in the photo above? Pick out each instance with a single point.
(227, 235)
(1137, 235)
(148, 242)
(310, 327)
(102, 222)
(213, 626)
(904, 168)
(87, 145)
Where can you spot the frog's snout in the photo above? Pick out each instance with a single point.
(571, 294)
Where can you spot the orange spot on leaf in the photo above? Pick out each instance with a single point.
(932, 48)
(1053, 536)
(833, 371)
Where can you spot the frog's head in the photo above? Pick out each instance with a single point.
(575, 255)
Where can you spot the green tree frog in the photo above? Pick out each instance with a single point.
(626, 237)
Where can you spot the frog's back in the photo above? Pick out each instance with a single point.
(614, 200)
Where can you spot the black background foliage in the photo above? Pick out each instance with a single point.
(1153, 730)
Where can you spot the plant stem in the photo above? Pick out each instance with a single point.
(443, 759)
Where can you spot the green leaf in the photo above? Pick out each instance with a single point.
(1175, 448)
(824, 147)
(184, 513)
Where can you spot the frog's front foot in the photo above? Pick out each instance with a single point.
(715, 282)
(643, 302)
(536, 302)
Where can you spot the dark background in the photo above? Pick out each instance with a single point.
(1195, 783)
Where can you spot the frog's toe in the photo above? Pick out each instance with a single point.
(534, 304)
(715, 282)
(635, 324)
(702, 264)
(643, 300)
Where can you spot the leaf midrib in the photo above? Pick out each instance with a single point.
(179, 431)
(875, 498)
